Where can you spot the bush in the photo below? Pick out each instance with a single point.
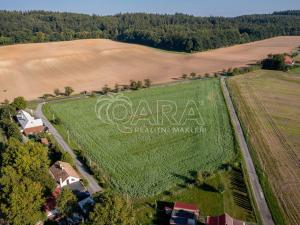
(57, 121)
(184, 76)
(66, 157)
(56, 91)
(221, 188)
(193, 75)
(199, 179)
(147, 83)
(105, 89)
(13, 131)
(19, 103)
(95, 170)
(46, 96)
(274, 62)
(68, 91)
(206, 174)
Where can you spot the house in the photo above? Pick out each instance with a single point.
(224, 219)
(50, 204)
(64, 174)
(288, 60)
(29, 124)
(184, 214)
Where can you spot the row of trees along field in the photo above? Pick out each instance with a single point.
(177, 32)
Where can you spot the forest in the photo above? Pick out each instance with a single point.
(178, 32)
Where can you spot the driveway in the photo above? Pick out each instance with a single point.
(93, 186)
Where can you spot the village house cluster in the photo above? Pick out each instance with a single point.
(188, 214)
(63, 173)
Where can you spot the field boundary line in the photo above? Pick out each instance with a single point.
(258, 194)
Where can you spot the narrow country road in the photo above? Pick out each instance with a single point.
(253, 179)
(93, 186)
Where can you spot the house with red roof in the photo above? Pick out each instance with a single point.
(50, 204)
(29, 124)
(224, 219)
(184, 214)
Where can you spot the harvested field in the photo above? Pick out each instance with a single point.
(152, 156)
(31, 70)
(268, 104)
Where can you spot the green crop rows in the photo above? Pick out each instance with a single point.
(153, 158)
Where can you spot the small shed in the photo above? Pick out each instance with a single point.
(184, 214)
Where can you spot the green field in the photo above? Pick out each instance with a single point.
(142, 156)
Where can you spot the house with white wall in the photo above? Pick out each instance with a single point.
(64, 174)
(29, 124)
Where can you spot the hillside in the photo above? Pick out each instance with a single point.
(177, 32)
(31, 70)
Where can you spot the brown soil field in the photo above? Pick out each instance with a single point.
(268, 104)
(31, 70)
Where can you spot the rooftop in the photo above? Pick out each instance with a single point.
(184, 214)
(27, 121)
(63, 170)
(224, 219)
(185, 206)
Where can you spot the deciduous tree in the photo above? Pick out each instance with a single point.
(68, 90)
(66, 202)
(112, 210)
(19, 103)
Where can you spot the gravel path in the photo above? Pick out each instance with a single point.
(253, 179)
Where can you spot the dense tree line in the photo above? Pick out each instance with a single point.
(173, 32)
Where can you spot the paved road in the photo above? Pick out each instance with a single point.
(93, 186)
(254, 182)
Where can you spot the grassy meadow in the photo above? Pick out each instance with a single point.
(153, 158)
(268, 105)
(209, 201)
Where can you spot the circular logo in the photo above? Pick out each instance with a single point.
(114, 109)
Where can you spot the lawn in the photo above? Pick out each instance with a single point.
(152, 148)
(268, 105)
(295, 70)
(209, 201)
(297, 58)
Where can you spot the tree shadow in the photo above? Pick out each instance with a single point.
(184, 178)
(209, 188)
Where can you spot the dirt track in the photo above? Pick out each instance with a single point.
(31, 70)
